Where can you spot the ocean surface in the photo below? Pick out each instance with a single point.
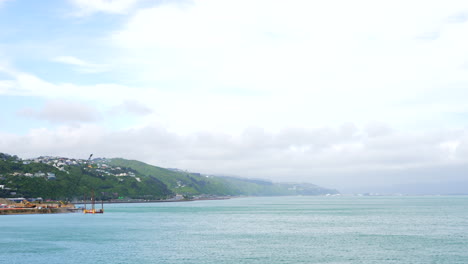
(425, 230)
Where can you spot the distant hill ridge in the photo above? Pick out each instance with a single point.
(118, 178)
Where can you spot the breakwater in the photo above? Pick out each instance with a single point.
(12, 211)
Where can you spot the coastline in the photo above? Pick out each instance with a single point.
(155, 201)
(61, 210)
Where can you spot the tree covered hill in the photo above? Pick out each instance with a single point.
(72, 179)
(67, 179)
(194, 183)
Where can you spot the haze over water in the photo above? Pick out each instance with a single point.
(248, 230)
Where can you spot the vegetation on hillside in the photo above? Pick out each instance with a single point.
(194, 183)
(118, 178)
(75, 182)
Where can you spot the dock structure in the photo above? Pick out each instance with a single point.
(9, 207)
(93, 209)
(38, 210)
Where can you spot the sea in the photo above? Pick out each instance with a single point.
(299, 229)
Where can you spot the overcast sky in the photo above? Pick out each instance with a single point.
(346, 94)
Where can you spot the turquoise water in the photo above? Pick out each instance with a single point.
(248, 230)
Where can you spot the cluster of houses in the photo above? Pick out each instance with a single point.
(57, 162)
(102, 167)
(46, 175)
(180, 184)
(98, 166)
(61, 164)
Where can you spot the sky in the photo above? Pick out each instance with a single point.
(356, 95)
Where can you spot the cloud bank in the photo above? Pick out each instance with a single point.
(336, 92)
(346, 156)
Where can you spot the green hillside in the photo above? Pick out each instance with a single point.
(178, 182)
(190, 183)
(73, 182)
(68, 179)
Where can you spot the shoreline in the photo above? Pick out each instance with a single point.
(62, 210)
(154, 201)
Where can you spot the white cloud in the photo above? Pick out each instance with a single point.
(87, 7)
(60, 111)
(131, 107)
(82, 66)
(300, 39)
(70, 60)
(362, 61)
(26, 84)
(192, 110)
(219, 66)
